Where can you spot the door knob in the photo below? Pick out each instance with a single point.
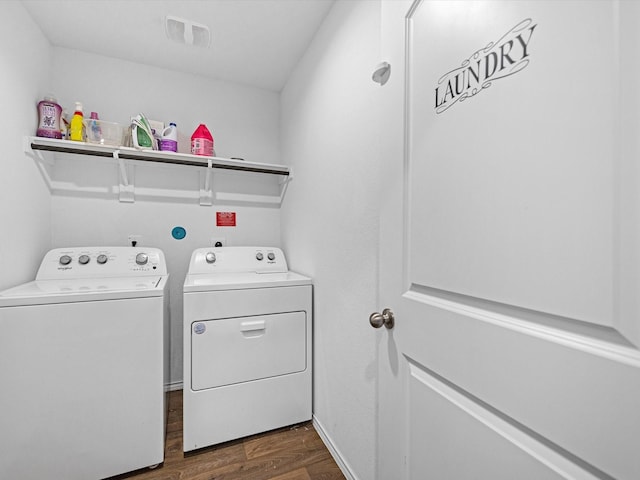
(385, 318)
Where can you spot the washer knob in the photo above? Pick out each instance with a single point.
(65, 260)
(102, 259)
(210, 257)
(142, 258)
(84, 259)
(259, 256)
(271, 256)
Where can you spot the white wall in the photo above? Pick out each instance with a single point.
(243, 120)
(244, 123)
(330, 218)
(329, 226)
(25, 207)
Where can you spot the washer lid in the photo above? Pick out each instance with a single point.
(236, 281)
(41, 292)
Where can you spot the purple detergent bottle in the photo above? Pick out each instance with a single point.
(49, 113)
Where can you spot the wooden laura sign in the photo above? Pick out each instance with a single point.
(497, 60)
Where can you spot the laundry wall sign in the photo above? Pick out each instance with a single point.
(505, 57)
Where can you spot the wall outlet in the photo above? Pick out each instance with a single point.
(134, 240)
(218, 242)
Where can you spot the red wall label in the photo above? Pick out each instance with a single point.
(225, 219)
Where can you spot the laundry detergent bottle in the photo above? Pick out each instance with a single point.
(202, 141)
(49, 113)
(169, 140)
(76, 126)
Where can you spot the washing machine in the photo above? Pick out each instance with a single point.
(247, 345)
(83, 365)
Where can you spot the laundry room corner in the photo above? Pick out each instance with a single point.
(210, 209)
(330, 221)
(85, 209)
(25, 207)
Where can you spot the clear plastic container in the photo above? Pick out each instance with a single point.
(104, 133)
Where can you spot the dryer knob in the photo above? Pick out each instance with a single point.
(210, 257)
(65, 260)
(84, 259)
(271, 256)
(102, 259)
(259, 256)
(142, 258)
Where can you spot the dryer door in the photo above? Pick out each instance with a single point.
(236, 350)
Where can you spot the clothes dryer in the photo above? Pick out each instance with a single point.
(83, 365)
(247, 344)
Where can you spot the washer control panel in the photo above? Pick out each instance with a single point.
(88, 262)
(237, 260)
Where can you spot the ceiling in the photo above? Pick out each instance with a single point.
(253, 42)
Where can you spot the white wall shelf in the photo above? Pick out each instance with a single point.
(36, 145)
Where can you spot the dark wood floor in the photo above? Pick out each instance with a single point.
(292, 453)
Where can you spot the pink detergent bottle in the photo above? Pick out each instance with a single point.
(202, 141)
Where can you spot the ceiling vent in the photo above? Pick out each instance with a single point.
(187, 32)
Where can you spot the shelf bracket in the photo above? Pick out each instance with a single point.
(35, 154)
(284, 184)
(206, 193)
(126, 187)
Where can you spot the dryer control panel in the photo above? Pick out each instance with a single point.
(102, 262)
(212, 260)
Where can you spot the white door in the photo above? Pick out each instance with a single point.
(510, 241)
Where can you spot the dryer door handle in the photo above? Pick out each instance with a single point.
(253, 326)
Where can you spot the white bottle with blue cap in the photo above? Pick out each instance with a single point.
(169, 140)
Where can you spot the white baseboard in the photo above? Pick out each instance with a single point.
(335, 453)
